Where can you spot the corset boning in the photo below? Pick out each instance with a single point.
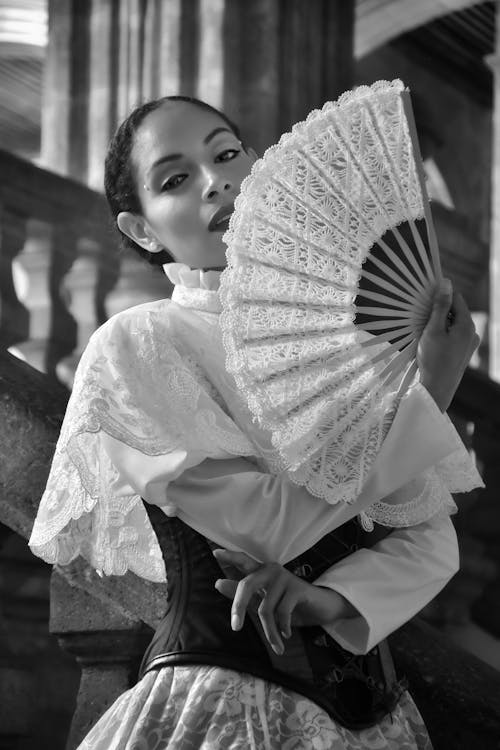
(356, 691)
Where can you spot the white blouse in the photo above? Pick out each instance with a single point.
(154, 415)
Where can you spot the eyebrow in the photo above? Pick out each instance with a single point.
(174, 157)
(215, 132)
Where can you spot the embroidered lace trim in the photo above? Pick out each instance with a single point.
(86, 508)
(427, 495)
(296, 243)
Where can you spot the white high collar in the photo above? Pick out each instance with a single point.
(194, 287)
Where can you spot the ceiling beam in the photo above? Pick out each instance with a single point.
(379, 21)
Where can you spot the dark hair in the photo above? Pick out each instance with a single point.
(119, 180)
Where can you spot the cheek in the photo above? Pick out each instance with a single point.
(173, 219)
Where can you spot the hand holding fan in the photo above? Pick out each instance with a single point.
(330, 284)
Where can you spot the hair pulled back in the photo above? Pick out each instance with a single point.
(119, 180)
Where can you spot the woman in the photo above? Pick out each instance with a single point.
(154, 415)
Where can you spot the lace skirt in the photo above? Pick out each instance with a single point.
(209, 708)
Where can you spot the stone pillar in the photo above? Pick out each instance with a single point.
(267, 63)
(66, 86)
(107, 644)
(14, 317)
(281, 60)
(494, 313)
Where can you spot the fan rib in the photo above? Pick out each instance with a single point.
(380, 325)
(389, 336)
(389, 350)
(387, 300)
(291, 235)
(332, 184)
(381, 206)
(249, 262)
(385, 311)
(416, 236)
(407, 378)
(399, 264)
(431, 231)
(388, 157)
(422, 251)
(384, 284)
(392, 274)
(397, 365)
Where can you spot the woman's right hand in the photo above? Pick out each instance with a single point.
(446, 345)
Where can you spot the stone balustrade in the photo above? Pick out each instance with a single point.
(61, 272)
(104, 622)
(48, 222)
(60, 279)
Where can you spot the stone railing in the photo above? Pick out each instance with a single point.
(61, 273)
(48, 224)
(105, 623)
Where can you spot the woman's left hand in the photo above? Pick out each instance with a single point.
(286, 599)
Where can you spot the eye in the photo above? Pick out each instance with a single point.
(227, 154)
(173, 182)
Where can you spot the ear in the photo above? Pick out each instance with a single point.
(136, 227)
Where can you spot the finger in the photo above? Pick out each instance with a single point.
(226, 587)
(239, 560)
(461, 314)
(267, 615)
(441, 305)
(246, 589)
(475, 341)
(284, 613)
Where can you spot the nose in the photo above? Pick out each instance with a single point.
(215, 183)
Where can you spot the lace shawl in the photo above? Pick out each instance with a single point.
(152, 384)
(135, 385)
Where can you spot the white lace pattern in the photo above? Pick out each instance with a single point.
(134, 385)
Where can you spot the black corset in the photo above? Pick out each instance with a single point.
(355, 690)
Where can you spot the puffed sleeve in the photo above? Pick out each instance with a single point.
(408, 568)
(138, 416)
(273, 519)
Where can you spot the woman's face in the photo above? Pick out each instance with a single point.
(189, 166)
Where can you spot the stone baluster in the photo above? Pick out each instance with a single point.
(14, 316)
(78, 287)
(86, 287)
(107, 644)
(494, 313)
(63, 327)
(32, 285)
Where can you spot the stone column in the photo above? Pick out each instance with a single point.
(66, 85)
(107, 644)
(494, 314)
(267, 63)
(281, 60)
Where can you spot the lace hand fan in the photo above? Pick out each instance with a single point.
(329, 284)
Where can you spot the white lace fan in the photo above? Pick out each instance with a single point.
(329, 283)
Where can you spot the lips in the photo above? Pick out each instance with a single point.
(220, 219)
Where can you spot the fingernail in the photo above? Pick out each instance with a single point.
(235, 622)
(278, 648)
(286, 633)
